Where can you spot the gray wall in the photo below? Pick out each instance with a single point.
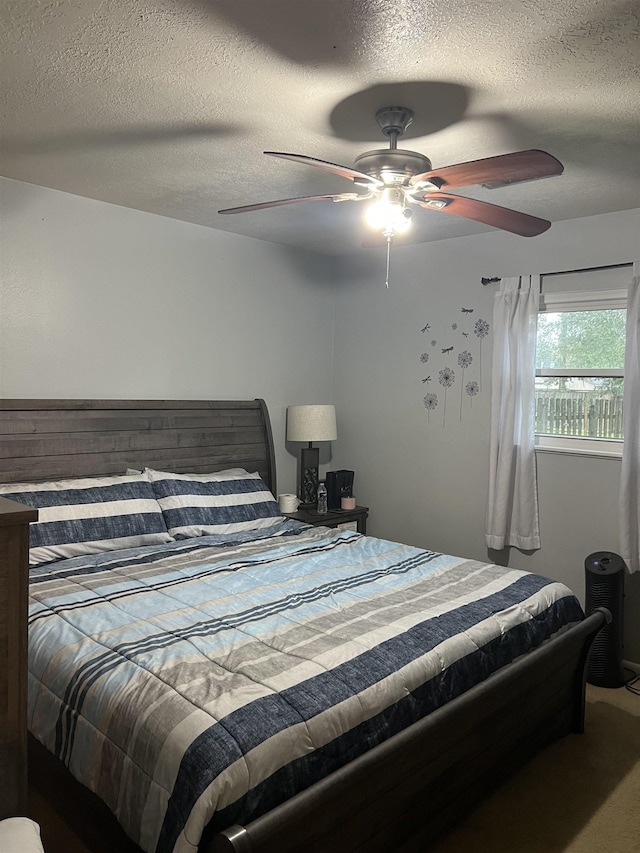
(426, 482)
(100, 301)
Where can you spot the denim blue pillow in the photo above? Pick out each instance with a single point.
(90, 515)
(229, 501)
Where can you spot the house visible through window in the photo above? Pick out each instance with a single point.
(580, 371)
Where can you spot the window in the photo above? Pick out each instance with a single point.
(580, 371)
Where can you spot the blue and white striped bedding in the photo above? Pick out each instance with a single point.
(207, 680)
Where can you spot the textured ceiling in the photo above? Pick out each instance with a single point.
(167, 106)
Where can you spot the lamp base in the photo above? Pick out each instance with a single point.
(309, 463)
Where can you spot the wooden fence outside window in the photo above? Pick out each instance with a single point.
(579, 413)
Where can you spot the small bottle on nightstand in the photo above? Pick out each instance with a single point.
(322, 498)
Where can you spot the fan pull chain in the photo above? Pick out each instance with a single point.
(388, 258)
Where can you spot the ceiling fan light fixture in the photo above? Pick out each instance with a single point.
(389, 214)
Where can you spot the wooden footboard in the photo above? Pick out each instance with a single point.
(405, 792)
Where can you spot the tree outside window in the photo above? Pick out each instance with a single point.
(579, 376)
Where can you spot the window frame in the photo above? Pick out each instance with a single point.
(581, 300)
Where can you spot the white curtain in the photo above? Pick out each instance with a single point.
(512, 513)
(629, 511)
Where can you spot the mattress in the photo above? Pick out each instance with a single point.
(203, 682)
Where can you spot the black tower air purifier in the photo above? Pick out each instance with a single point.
(604, 581)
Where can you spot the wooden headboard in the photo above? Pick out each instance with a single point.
(50, 439)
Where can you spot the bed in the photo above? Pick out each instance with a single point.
(243, 682)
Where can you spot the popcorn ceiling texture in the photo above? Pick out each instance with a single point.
(167, 107)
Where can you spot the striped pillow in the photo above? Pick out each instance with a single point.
(87, 516)
(225, 502)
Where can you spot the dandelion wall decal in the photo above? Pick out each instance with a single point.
(446, 377)
(472, 389)
(465, 360)
(430, 402)
(440, 352)
(481, 330)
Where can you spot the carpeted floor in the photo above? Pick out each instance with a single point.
(581, 795)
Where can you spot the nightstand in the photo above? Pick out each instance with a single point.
(349, 519)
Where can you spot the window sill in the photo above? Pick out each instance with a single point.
(579, 446)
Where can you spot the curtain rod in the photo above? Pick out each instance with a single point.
(486, 281)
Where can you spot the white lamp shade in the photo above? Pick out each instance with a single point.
(311, 423)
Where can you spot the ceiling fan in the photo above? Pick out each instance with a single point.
(397, 179)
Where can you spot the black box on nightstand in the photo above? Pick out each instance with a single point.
(339, 484)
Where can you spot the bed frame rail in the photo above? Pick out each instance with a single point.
(410, 789)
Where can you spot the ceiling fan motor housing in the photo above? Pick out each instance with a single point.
(392, 165)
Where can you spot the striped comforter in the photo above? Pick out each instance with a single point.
(208, 680)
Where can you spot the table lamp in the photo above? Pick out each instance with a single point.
(310, 423)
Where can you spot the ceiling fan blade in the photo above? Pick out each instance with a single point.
(343, 171)
(501, 170)
(489, 214)
(263, 205)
